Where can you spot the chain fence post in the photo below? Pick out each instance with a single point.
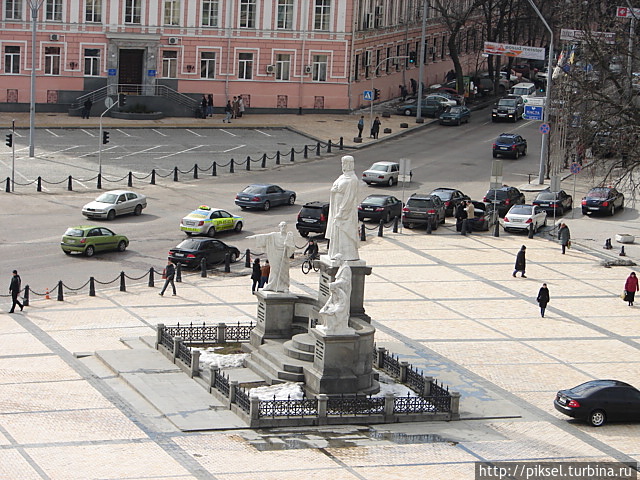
(39, 188)
(247, 258)
(306, 151)
(203, 268)
(92, 287)
(8, 186)
(214, 169)
(329, 146)
(318, 149)
(341, 143)
(175, 174)
(264, 160)
(179, 273)
(231, 169)
(248, 167)
(123, 287)
(227, 262)
(278, 157)
(153, 176)
(60, 292)
(395, 224)
(292, 154)
(25, 298)
(151, 279)
(380, 227)
(195, 171)
(363, 233)
(70, 184)
(99, 184)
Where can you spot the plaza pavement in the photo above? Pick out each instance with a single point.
(443, 302)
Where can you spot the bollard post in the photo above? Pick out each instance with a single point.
(8, 187)
(39, 189)
(123, 287)
(363, 233)
(278, 157)
(179, 272)
(130, 180)
(60, 292)
(175, 174)
(395, 224)
(293, 152)
(247, 258)
(195, 171)
(227, 262)
(25, 298)
(341, 143)
(264, 160)
(70, 184)
(152, 282)
(153, 176)
(203, 268)
(231, 169)
(329, 146)
(530, 230)
(213, 169)
(92, 287)
(496, 229)
(306, 151)
(429, 226)
(318, 149)
(380, 227)
(248, 166)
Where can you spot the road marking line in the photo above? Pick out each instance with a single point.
(232, 149)
(159, 132)
(136, 153)
(196, 134)
(54, 134)
(87, 132)
(227, 131)
(264, 133)
(124, 133)
(96, 152)
(178, 153)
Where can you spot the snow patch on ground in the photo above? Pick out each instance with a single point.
(232, 360)
(389, 385)
(282, 391)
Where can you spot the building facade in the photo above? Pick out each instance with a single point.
(278, 54)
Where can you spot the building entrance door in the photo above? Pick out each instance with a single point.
(130, 69)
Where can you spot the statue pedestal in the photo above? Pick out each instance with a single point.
(359, 270)
(275, 316)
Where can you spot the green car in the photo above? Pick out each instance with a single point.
(89, 239)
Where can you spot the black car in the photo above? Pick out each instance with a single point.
(312, 218)
(505, 198)
(599, 401)
(509, 108)
(191, 251)
(510, 145)
(421, 208)
(602, 200)
(380, 207)
(554, 203)
(484, 216)
(451, 198)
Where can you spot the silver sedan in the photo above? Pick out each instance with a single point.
(115, 202)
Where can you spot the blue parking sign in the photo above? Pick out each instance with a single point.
(532, 112)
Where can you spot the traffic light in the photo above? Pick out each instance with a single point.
(122, 100)
(413, 57)
(376, 93)
(9, 139)
(105, 137)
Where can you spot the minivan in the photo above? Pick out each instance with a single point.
(523, 89)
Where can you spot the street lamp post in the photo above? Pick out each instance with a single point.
(422, 52)
(34, 6)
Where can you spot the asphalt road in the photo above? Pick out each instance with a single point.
(441, 156)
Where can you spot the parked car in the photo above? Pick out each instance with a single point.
(485, 84)
(191, 251)
(208, 221)
(600, 401)
(444, 98)
(89, 239)
(452, 92)
(428, 108)
(455, 115)
(264, 196)
(115, 202)
(510, 144)
(602, 200)
(451, 198)
(504, 197)
(383, 173)
(380, 207)
(510, 108)
(555, 203)
(484, 216)
(312, 218)
(523, 217)
(422, 209)
(524, 90)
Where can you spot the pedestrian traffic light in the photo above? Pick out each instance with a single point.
(105, 137)
(413, 57)
(9, 140)
(122, 100)
(376, 93)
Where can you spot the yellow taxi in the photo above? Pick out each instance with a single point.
(208, 221)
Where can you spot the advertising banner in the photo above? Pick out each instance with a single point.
(518, 51)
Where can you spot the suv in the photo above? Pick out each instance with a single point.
(422, 208)
(510, 144)
(505, 198)
(508, 108)
(313, 218)
(523, 89)
(384, 173)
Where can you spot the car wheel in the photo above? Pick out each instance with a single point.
(597, 418)
(138, 210)
(211, 232)
(524, 152)
(387, 217)
(443, 219)
(122, 246)
(242, 208)
(66, 253)
(89, 251)
(304, 234)
(111, 215)
(238, 227)
(188, 234)
(517, 154)
(233, 257)
(459, 122)
(390, 182)
(495, 155)
(434, 225)
(407, 112)
(613, 210)
(266, 206)
(408, 225)
(292, 199)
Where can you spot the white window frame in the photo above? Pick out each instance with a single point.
(284, 17)
(93, 11)
(322, 15)
(283, 66)
(210, 11)
(208, 65)
(13, 10)
(12, 60)
(133, 12)
(245, 66)
(319, 66)
(91, 63)
(169, 64)
(248, 14)
(52, 61)
(171, 12)
(53, 10)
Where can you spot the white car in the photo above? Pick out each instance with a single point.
(383, 173)
(115, 202)
(444, 100)
(521, 217)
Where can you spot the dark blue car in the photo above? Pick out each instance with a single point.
(510, 145)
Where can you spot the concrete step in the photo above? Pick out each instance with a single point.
(276, 355)
(304, 341)
(270, 377)
(270, 362)
(291, 351)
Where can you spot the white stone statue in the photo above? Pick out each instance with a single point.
(342, 225)
(279, 246)
(334, 315)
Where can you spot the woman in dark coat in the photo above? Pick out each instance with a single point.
(631, 287)
(255, 275)
(543, 298)
(521, 262)
(564, 236)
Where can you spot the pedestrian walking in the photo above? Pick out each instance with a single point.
(414, 86)
(169, 274)
(451, 75)
(375, 128)
(470, 213)
(403, 92)
(203, 105)
(235, 108)
(630, 288)
(360, 126)
(461, 215)
(543, 298)
(240, 106)
(264, 273)
(86, 109)
(210, 105)
(228, 112)
(255, 275)
(14, 289)
(564, 235)
(521, 262)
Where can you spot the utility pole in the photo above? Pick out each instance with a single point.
(425, 9)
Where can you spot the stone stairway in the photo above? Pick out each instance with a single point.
(273, 363)
(301, 347)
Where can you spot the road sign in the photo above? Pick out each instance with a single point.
(575, 168)
(626, 12)
(532, 112)
(537, 101)
(545, 128)
(368, 94)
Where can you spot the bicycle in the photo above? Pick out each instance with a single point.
(309, 264)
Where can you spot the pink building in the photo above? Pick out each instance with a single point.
(277, 54)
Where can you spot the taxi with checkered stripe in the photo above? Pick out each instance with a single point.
(209, 221)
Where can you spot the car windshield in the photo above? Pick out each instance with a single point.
(74, 232)
(374, 200)
(598, 194)
(378, 168)
(311, 212)
(454, 109)
(107, 198)
(499, 194)
(189, 244)
(520, 91)
(586, 387)
(443, 194)
(507, 102)
(547, 196)
(521, 210)
(253, 189)
(507, 140)
(419, 202)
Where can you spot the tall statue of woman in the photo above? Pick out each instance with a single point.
(279, 246)
(342, 225)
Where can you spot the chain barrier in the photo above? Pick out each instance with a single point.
(76, 289)
(105, 179)
(117, 279)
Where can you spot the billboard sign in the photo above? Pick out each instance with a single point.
(515, 51)
(625, 12)
(580, 35)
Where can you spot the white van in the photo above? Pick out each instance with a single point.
(524, 90)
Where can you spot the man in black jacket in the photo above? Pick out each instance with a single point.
(14, 289)
(169, 273)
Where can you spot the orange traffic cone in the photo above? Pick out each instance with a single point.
(46, 294)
